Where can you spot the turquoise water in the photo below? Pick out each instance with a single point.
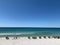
(29, 31)
(26, 29)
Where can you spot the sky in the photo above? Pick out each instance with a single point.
(29, 13)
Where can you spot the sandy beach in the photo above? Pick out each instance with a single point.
(26, 41)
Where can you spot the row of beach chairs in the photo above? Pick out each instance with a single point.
(40, 37)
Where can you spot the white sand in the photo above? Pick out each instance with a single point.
(26, 41)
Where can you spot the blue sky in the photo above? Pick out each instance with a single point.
(29, 13)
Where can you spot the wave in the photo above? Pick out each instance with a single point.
(17, 33)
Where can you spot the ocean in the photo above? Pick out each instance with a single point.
(29, 31)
